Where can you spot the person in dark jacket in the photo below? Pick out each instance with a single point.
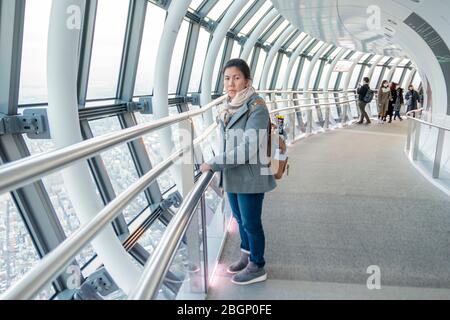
(362, 91)
(390, 111)
(411, 97)
(398, 103)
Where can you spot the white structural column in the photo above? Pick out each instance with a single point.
(250, 43)
(307, 94)
(289, 69)
(176, 12)
(271, 56)
(208, 69)
(326, 89)
(392, 70)
(292, 60)
(347, 84)
(63, 41)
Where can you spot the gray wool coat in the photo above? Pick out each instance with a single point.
(243, 163)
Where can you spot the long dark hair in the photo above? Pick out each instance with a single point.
(241, 65)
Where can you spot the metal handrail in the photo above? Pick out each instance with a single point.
(310, 106)
(27, 170)
(300, 99)
(22, 172)
(54, 263)
(303, 92)
(414, 129)
(158, 264)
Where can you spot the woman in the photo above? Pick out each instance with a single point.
(245, 181)
(398, 103)
(384, 96)
(392, 100)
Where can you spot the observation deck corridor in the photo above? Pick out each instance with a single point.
(352, 200)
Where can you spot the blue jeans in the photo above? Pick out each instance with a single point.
(247, 209)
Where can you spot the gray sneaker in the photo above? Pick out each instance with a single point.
(251, 274)
(240, 264)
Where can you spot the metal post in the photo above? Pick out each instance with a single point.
(292, 122)
(438, 154)
(310, 119)
(410, 130)
(415, 151)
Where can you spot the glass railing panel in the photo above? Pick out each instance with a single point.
(185, 279)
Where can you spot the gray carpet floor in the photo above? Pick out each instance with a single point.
(353, 200)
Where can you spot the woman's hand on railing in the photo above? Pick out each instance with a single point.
(409, 113)
(205, 168)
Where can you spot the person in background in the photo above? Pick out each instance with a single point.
(384, 96)
(392, 100)
(398, 103)
(362, 91)
(244, 182)
(412, 98)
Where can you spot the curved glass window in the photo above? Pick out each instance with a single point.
(282, 72)
(314, 74)
(199, 60)
(219, 9)
(59, 197)
(107, 48)
(17, 252)
(375, 77)
(278, 32)
(293, 73)
(218, 66)
(397, 74)
(259, 68)
(241, 14)
(154, 25)
(325, 71)
(33, 76)
(152, 144)
(306, 65)
(120, 166)
(257, 17)
(354, 77)
(177, 58)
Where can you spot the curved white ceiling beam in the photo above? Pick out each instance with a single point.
(64, 123)
(271, 56)
(208, 69)
(250, 43)
(294, 57)
(175, 15)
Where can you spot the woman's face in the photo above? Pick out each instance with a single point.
(234, 81)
